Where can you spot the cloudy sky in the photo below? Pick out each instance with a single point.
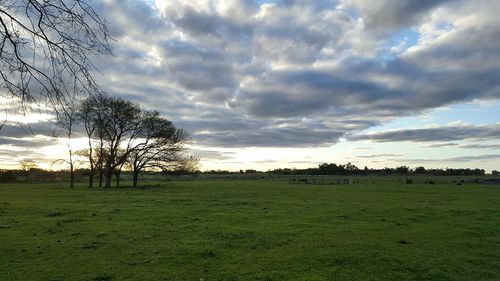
(293, 83)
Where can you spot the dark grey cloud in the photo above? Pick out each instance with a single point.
(466, 146)
(11, 155)
(394, 14)
(28, 141)
(480, 146)
(437, 134)
(17, 131)
(202, 23)
(271, 137)
(306, 92)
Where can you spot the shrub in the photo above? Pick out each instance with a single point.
(7, 176)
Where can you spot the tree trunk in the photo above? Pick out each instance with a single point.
(117, 176)
(100, 177)
(71, 176)
(136, 178)
(71, 169)
(91, 179)
(109, 177)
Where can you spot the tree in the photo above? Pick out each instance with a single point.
(27, 166)
(121, 134)
(66, 119)
(420, 170)
(495, 172)
(46, 48)
(162, 146)
(119, 122)
(351, 168)
(110, 123)
(87, 114)
(402, 170)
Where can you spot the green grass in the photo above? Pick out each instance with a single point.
(250, 230)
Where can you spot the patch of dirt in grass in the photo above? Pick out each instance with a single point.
(93, 245)
(71, 220)
(54, 213)
(52, 230)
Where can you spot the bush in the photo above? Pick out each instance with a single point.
(7, 176)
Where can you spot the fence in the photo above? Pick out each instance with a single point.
(320, 180)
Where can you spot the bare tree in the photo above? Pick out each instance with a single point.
(113, 123)
(162, 146)
(46, 48)
(121, 119)
(27, 166)
(66, 119)
(88, 115)
(120, 135)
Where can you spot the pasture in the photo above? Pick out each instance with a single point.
(250, 230)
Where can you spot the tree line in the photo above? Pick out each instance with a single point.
(351, 169)
(121, 135)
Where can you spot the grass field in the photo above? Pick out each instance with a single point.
(250, 230)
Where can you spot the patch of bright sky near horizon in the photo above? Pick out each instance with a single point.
(362, 152)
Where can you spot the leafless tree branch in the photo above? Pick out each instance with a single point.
(46, 48)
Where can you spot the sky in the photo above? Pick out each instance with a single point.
(295, 83)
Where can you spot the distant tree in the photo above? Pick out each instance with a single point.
(7, 176)
(351, 168)
(420, 170)
(495, 172)
(366, 171)
(27, 166)
(46, 48)
(402, 170)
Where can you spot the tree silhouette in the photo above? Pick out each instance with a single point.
(161, 146)
(27, 166)
(66, 120)
(46, 48)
